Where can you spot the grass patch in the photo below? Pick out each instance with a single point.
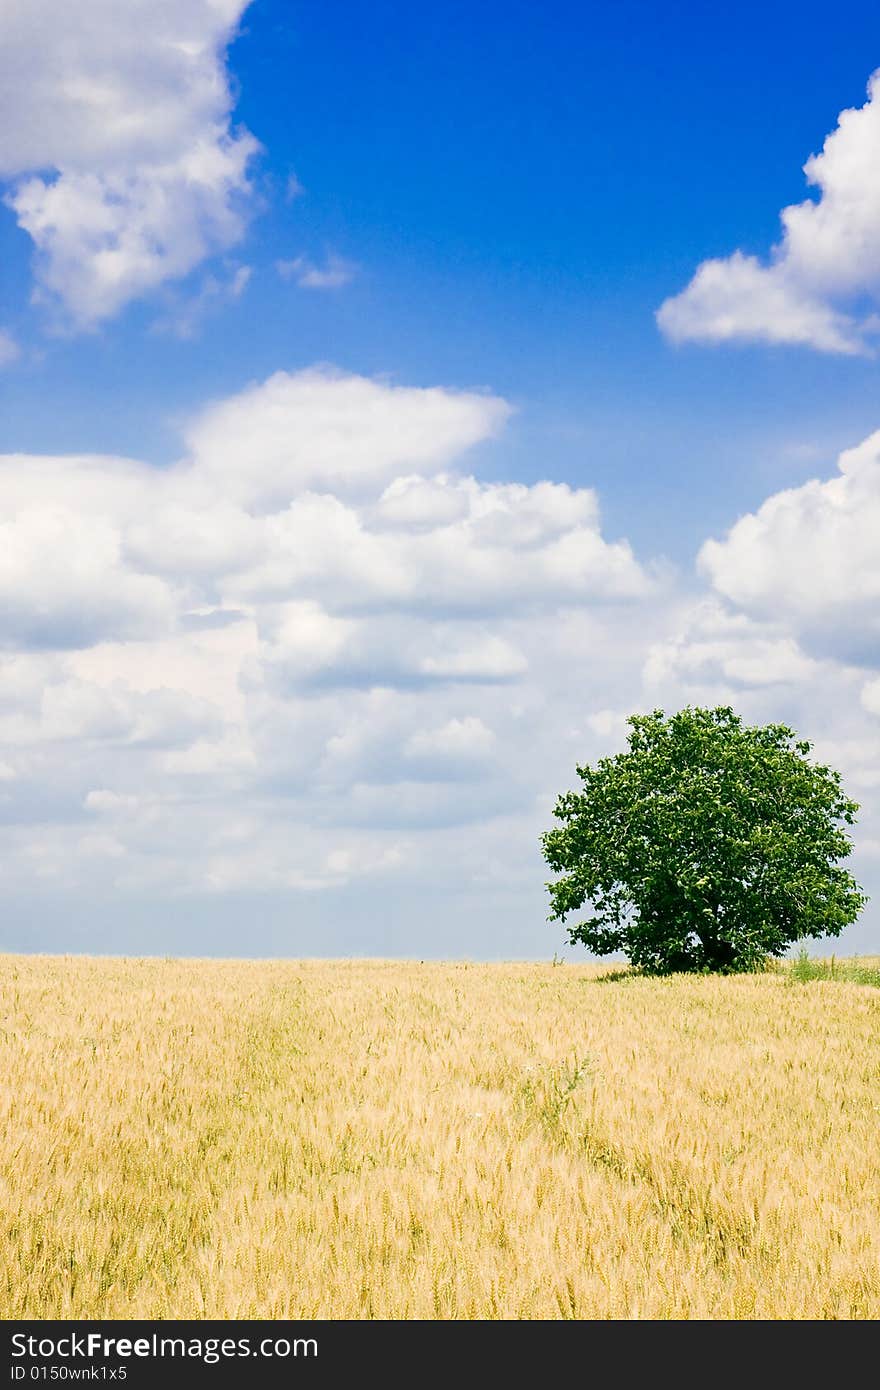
(851, 970)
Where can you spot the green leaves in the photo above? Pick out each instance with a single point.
(707, 845)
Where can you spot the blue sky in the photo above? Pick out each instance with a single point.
(473, 217)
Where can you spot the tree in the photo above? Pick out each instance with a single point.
(708, 845)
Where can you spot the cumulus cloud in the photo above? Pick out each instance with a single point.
(456, 750)
(718, 655)
(813, 288)
(809, 556)
(468, 738)
(304, 648)
(309, 636)
(790, 628)
(716, 646)
(117, 146)
(515, 544)
(871, 696)
(481, 656)
(105, 802)
(323, 430)
(319, 648)
(63, 580)
(156, 719)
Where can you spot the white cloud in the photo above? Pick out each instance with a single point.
(415, 503)
(191, 531)
(791, 632)
(205, 662)
(313, 650)
(610, 723)
(304, 647)
(9, 349)
(71, 709)
(467, 737)
(310, 631)
(826, 262)
(483, 657)
(809, 555)
(718, 655)
(302, 642)
(534, 546)
(115, 139)
(22, 678)
(324, 430)
(870, 696)
(741, 299)
(717, 647)
(309, 275)
(63, 581)
(106, 802)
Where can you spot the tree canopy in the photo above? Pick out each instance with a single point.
(708, 844)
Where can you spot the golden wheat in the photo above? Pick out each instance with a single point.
(228, 1139)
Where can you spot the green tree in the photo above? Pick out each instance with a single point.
(708, 845)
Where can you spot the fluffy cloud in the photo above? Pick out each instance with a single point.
(790, 630)
(739, 299)
(716, 654)
(63, 579)
(871, 696)
(316, 650)
(273, 662)
(809, 557)
(304, 647)
(116, 142)
(715, 647)
(513, 545)
(454, 751)
(827, 261)
(321, 430)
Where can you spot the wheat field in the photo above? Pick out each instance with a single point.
(240, 1139)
